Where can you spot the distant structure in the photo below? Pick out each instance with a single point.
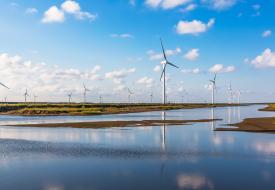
(130, 93)
(70, 97)
(151, 97)
(34, 98)
(213, 82)
(230, 94)
(85, 92)
(163, 74)
(100, 99)
(26, 94)
(239, 96)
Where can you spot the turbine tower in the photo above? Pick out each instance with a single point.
(163, 74)
(85, 92)
(130, 93)
(26, 94)
(100, 99)
(213, 82)
(239, 96)
(70, 97)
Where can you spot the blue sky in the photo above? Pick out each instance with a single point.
(52, 47)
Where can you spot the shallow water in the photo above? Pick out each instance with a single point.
(166, 157)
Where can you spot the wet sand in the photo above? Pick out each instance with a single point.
(264, 125)
(107, 124)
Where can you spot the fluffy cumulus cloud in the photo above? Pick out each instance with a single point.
(146, 81)
(266, 33)
(194, 27)
(158, 56)
(192, 55)
(166, 4)
(266, 59)
(118, 76)
(219, 68)
(55, 14)
(220, 4)
(189, 8)
(124, 35)
(42, 78)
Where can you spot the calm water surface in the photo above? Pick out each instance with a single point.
(166, 157)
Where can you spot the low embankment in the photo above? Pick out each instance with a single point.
(48, 109)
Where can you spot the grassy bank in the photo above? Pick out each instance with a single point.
(91, 109)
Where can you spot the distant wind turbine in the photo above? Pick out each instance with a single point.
(163, 74)
(100, 99)
(130, 93)
(230, 94)
(70, 97)
(26, 94)
(34, 98)
(151, 97)
(239, 96)
(85, 92)
(6, 99)
(213, 82)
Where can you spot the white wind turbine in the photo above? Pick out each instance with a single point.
(163, 74)
(213, 82)
(70, 97)
(239, 96)
(26, 94)
(230, 94)
(100, 99)
(130, 93)
(34, 98)
(85, 92)
(151, 97)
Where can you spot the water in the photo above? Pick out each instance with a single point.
(166, 157)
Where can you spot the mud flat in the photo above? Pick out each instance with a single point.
(263, 125)
(108, 124)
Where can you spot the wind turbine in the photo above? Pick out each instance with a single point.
(34, 98)
(100, 99)
(85, 92)
(130, 93)
(230, 94)
(151, 97)
(163, 74)
(213, 82)
(6, 99)
(26, 94)
(70, 97)
(239, 96)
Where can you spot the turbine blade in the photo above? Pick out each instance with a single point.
(163, 51)
(172, 65)
(163, 71)
(4, 85)
(215, 76)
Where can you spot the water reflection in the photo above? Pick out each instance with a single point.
(194, 181)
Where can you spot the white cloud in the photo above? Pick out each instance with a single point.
(266, 33)
(118, 75)
(192, 55)
(71, 7)
(166, 4)
(219, 68)
(53, 14)
(189, 8)
(266, 59)
(157, 56)
(220, 4)
(125, 35)
(40, 77)
(191, 71)
(31, 10)
(148, 82)
(157, 68)
(194, 27)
